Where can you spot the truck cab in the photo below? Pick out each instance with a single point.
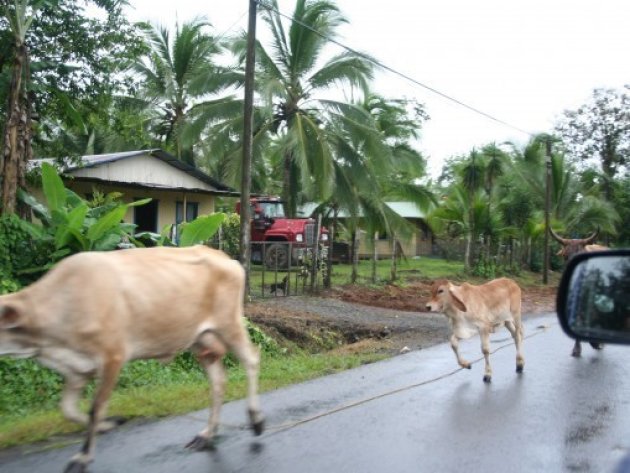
(274, 236)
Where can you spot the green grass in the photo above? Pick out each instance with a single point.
(172, 397)
(423, 268)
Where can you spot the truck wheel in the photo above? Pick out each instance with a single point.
(277, 256)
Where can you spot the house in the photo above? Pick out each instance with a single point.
(179, 191)
(420, 243)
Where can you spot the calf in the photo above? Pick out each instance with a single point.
(480, 309)
(94, 312)
(570, 248)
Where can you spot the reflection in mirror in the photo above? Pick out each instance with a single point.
(598, 300)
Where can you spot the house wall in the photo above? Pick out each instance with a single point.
(418, 244)
(166, 199)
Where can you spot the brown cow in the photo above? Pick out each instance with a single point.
(480, 309)
(570, 248)
(94, 312)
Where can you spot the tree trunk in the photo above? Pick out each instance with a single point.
(394, 268)
(374, 258)
(355, 258)
(287, 192)
(17, 146)
(467, 253)
(331, 247)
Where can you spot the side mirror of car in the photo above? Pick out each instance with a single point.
(593, 301)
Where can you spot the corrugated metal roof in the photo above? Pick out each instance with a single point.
(91, 161)
(404, 209)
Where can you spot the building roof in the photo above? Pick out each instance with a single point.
(81, 171)
(403, 209)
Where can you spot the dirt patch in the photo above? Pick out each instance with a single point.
(358, 319)
(414, 297)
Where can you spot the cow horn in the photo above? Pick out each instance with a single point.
(590, 239)
(560, 240)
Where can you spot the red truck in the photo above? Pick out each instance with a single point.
(273, 235)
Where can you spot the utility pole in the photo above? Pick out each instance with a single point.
(547, 207)
(248, 126)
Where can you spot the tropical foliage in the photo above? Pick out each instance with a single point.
(81, 84)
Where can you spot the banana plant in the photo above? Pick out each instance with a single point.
(71, 224)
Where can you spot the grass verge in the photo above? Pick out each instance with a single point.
(155, 401)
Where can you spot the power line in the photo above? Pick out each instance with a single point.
(394, 71)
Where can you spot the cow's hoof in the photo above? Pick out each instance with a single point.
(75, 467)
(487, 378)
(256, 421)
(597, 346)
(200, 443)
(519, 369)
(110, 423)
(258, 427)
(576, 353)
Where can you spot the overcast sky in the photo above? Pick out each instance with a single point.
(522, 62)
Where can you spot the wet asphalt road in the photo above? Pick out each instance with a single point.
(414, 413)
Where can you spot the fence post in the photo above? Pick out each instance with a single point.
(315, 253)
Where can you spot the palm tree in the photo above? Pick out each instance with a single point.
(292, 85)
(181, 83)
(367, 174)
(17, 148)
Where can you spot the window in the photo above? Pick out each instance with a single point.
(192, 211)
(146, 216)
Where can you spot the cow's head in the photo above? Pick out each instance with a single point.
(13, 340)
(445, 295)
(572, 246)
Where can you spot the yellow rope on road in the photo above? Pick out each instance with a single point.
(289, 425)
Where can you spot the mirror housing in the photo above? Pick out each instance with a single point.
(593, 301)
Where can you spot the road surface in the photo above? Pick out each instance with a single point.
(414, 413)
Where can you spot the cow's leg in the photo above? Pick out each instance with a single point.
(111, 370)
(455, 346)
(597, 346)
(70, 404)
(210, 352)
(577, 349)
(70, 399)
(517, 335)
(250, 358)
(485, 349)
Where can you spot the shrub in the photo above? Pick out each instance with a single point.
(21, 255)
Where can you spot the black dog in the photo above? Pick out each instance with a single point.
(280, 286)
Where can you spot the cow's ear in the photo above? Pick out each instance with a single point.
(9, 316)
(456, 294)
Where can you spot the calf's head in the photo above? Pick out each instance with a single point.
(445, 296)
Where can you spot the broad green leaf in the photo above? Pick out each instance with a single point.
(107, 243)
(77, 216)
(201, 229)
(40, 211)
(139, 202)
(105, 223)
(83, 242)
(59, 217)
(54, 189)
(72, 199)
(74, 222)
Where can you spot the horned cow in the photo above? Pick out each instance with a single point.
(94, 312)
(480, 309)
(570, 248)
